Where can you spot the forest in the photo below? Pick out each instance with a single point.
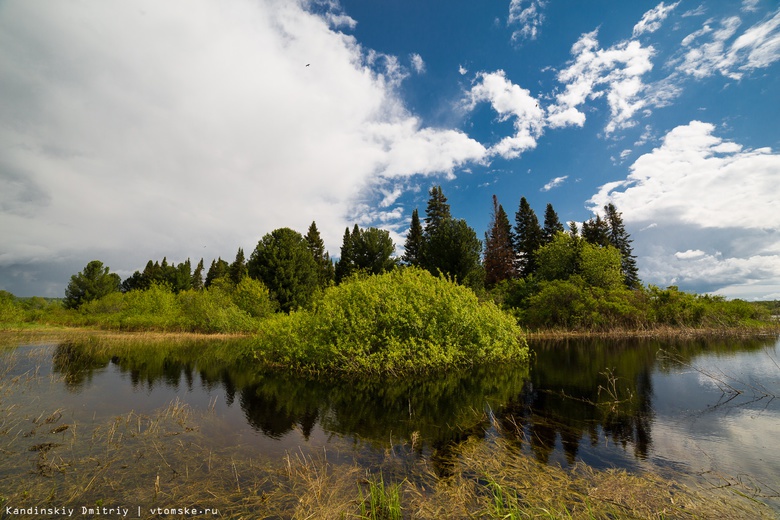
(544, 276)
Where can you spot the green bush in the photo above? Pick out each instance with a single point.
(402, 321)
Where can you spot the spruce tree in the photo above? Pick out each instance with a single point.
(345, 265)
(238, 270)
(321, 258)
(414, 242)
(499, 253)
(449, 245)
(620, 239)
(219, 269)
(197, 277)
(596, 231)
(551, 224)
(437, 211)
(528, 238)
(283, 262)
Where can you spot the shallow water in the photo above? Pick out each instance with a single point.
(706, 409)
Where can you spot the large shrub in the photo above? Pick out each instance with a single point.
(405, 320)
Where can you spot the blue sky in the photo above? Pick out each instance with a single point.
(139, 129)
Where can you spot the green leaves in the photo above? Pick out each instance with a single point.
(403, 321)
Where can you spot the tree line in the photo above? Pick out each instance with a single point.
(294, 266)
(545, 275)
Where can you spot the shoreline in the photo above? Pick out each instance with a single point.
(53, 332)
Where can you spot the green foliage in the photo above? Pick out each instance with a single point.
(283, 262)
(11, 311)
(365, 250)
(94, 282)
(401, 321)
(453, 250)
(600, 266)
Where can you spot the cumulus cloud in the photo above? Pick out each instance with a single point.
(616, 71)
(728, 54)
(651, 21)
(727, 234)
(510, 101)
(528, 15)
(135, 130)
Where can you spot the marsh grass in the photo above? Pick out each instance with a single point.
(164, 459)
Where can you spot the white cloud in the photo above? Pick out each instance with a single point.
(756, 48)
(528, 15)
(462, 70)
(134, 130)
(689, 254)
(554, 183)
(651, 21)
(510, 101)
(706, 208)
(750, 5)
(615, 71)
(417, 63)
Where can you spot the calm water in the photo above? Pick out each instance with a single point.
(705, 408)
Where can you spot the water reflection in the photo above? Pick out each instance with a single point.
(592, 400)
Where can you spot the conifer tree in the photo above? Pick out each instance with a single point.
(321, 258)
(197, 277)
(499, 253)
(574, 230)
(437, 211)
(345, 265)
(620, 239)
(414, 242)
(219, 269)
(238, 270)
(528, 238)
(596, 231)
(282, 261)
(92, 283)
(551, 224)
(449, 245)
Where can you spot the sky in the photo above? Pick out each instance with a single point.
(136, 129)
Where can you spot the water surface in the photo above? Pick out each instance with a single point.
(706, 408)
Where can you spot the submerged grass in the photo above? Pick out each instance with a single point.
(165, 460)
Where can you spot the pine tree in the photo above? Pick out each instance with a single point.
(238, 270)
(551, 224)
(197, 277)
(528, 238)
(282, 261)
(345, 265)
(573, 229)
(414, 242)
(596, 231)
(219, 269)
(619, 238)
(321, 258)
(437, 211)
(499, 253)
